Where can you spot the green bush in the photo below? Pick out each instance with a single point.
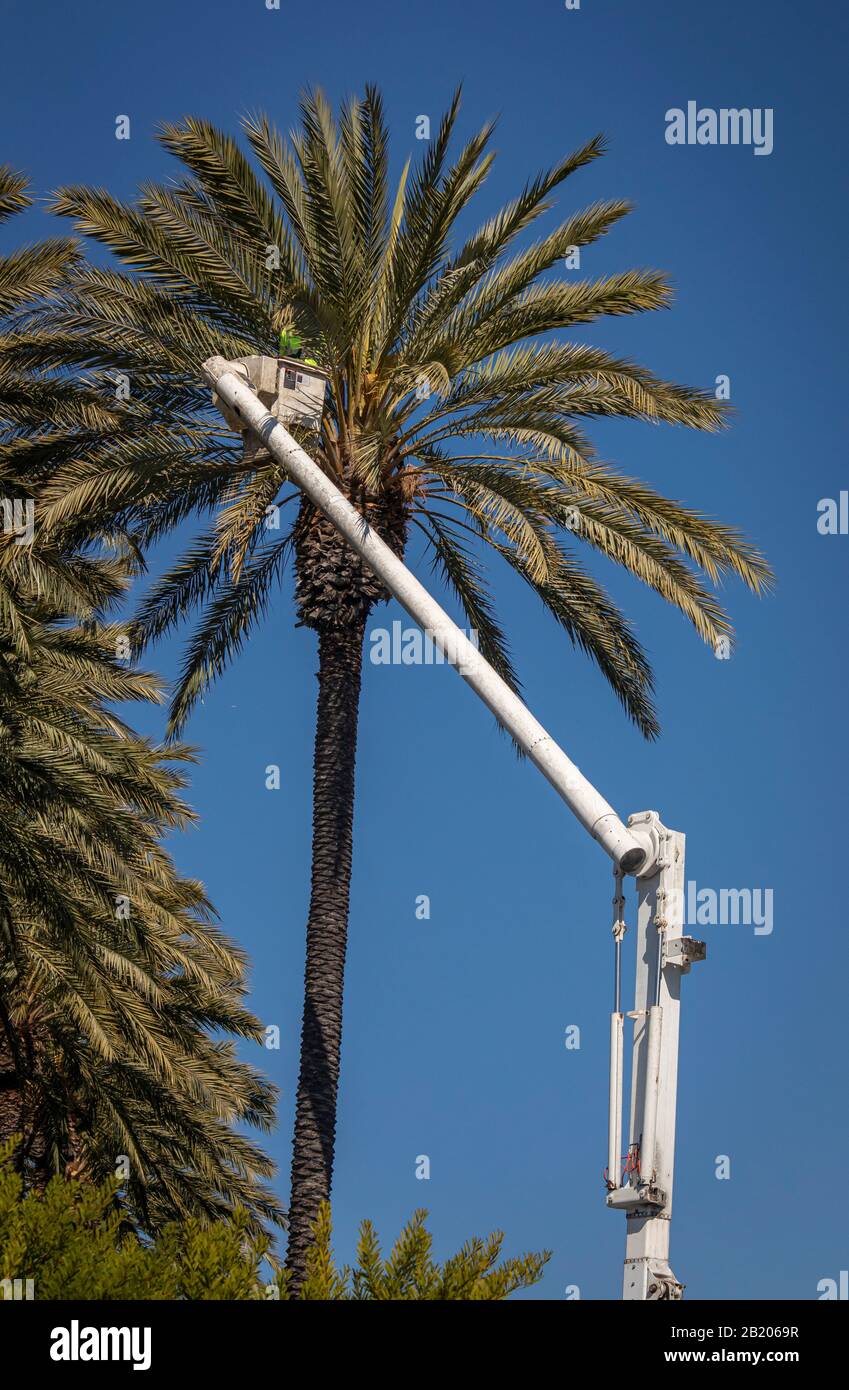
(409, 1272)
(70, 1242)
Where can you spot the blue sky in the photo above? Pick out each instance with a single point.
(454, 1027)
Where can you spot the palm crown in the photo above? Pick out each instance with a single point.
(448, 408)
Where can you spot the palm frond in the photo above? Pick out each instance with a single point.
(387, 297)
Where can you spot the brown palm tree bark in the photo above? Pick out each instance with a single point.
(339, 676)
(335, 593)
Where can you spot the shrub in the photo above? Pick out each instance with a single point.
(70, 1241)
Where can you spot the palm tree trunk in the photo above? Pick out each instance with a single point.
(339, 675)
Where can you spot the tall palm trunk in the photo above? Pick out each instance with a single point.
(340, 670)
(335, 593)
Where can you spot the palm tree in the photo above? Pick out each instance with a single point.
(453, 409)
(120, 999)
(119, 996)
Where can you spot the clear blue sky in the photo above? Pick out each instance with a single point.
(454, 1027)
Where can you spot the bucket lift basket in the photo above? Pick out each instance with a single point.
(291, 390)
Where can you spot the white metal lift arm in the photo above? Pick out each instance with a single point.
(630, 851)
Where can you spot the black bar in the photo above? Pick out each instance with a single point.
(254, 1341)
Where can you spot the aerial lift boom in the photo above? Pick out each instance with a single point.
(259, 396)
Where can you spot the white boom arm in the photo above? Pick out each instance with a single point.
(580, 796)
(643, 848)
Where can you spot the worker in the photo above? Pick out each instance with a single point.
(291, 345)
